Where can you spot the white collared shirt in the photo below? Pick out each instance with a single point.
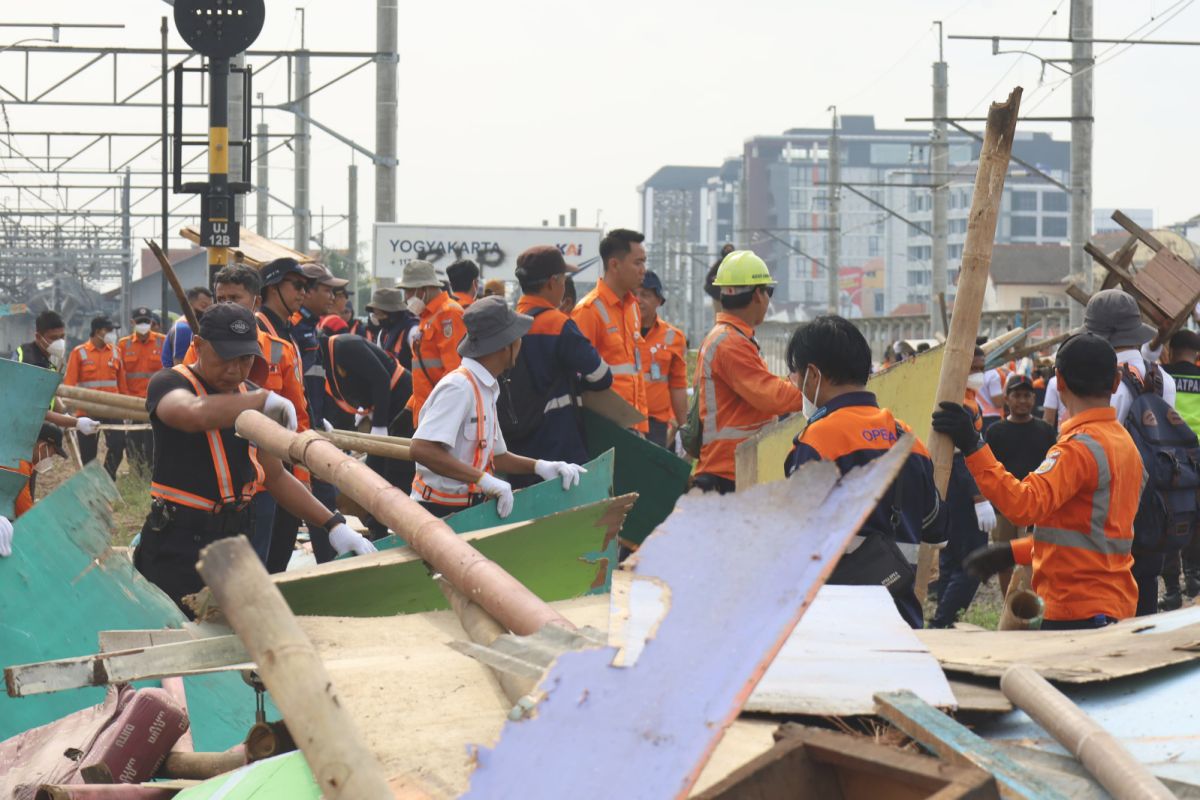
(448, 418)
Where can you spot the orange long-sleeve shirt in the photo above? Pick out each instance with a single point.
(1082, 500)
(99, 368)
(664, 367)
(614, 327)
(141, 359)
(738, 394)
(435, 355)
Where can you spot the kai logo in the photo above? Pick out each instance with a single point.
(570, 249)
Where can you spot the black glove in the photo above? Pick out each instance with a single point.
(955, 421)
(988, 560)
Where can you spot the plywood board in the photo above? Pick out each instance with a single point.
(613, 407)
(26, 392)
(655, 474)
(1130, 647)
(907, 388)
(652, 726)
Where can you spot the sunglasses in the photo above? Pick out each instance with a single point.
(299, 286)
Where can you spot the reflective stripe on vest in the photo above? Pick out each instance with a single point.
(139, 375)
(598, 373)
(624, 369)
(559, 402)
(276, 351)
(478, 460)
(602, 311)
(1096, 540)
(710, 432)
(98, 384)
(670, 337)
(427, 363)
(220, 461)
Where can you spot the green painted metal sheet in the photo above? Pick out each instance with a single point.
(285, 777)
(658, 476)
(547, 555)
(63, 585)
(540, 500)
(25, 394)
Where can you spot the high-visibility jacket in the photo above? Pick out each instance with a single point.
(464, 299)
(30, 353)
(1187, 392)
(231, 495)
(99, 368)
(664, 367)
(1082, 500)
(436, 353)
(142, 358)
(282, 376)
(737, 394)
(614, 327)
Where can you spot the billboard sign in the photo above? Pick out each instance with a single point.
(495, 250)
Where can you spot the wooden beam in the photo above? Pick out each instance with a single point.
(951, 742)
(1136, 230)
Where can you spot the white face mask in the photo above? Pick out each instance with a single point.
(57, 349)
(810, 406)
(110, 338)
(975, 381)
(142, 328)
(375, 320)
(415, 304)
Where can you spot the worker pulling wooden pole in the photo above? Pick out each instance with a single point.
(112, 399)
(972, 282)
(480, 579)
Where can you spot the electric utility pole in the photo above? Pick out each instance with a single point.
(834, 216)
(1082, 65)
(939, 162)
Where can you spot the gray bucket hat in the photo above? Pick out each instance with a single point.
(1114, 316)
(491, 326)
(419, 274)
(386, 300)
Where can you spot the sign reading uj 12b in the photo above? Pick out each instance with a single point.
(495, 250)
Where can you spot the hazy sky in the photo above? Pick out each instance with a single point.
(514, 112)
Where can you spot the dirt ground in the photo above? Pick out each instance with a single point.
(134, 488)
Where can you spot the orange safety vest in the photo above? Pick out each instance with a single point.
(664, 368)
(216, 448)
(481, 459)
(141, 358)
(334, 389)
(435, 355)
(99, 369)
(614, 327)
(464, 299)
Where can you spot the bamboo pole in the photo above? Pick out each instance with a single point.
(400, 440)
(1033, 347)
(478, 578)
(1105, 758)
(972, 282)
(1023, 609)
(107, 398)
(371, 446)
(200, 766)
(102, 412)
(483, 629)
(292, 671)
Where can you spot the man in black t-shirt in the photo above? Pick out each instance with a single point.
(204, 476)
(1020, 443)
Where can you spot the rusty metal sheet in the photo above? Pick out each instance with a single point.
(736, 573)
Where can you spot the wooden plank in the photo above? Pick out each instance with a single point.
(1137, 231)
(124, 666)
(655, 474)
(1130, 647)
(254, 250)
(661, 718)
(978, 697)
(948, 740)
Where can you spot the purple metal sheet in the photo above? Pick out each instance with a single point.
(740, 569)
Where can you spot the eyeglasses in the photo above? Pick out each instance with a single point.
(770, 290)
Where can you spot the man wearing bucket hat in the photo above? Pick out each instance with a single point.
(435, 342)
(395, 322)
(1114, 316)
(458, 445)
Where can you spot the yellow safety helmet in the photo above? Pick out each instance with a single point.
(742, 268)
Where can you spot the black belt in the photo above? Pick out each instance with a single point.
(229, 521)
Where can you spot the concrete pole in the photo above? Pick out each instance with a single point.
(352, 246)
(939, 167)
(300, 145)
(1081, 149)
(127, 253)
(262, 219)
(237, 127)
(834, 216)
(387, 22)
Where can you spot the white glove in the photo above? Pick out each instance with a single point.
(358, 418)
(680, 450)
(501, 490)
(87, 426)
(1151, 356)
(327, 425)
(414, 335)
(5, 537)
(985, 515)
(379, 430)
(280, 409)
(549, 470)
(345, 540)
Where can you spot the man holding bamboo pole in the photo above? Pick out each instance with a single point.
(205, 478)
(97, 365)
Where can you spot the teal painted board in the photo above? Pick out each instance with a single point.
(63, 584)
(285, 777)
(537, 501)
(658, 476)
(26, 392)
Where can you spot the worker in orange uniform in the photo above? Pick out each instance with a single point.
(609, 316)
(439, 330)
(463, 276)
(664, 365)
(141, 356)
(737, 393)
(47, 453)
(95, 364)
(1082, 499)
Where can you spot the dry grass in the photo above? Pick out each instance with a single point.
(133, 486)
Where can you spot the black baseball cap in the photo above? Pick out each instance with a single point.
(1185, 340)
(1018, 381)
(543, 261)
(52, 434)
(1085, 356)
(103, 323)
(142, 314)
(275, 271)
(652, 282)
(231, 330)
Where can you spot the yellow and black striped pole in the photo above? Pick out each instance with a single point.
(218, 229)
